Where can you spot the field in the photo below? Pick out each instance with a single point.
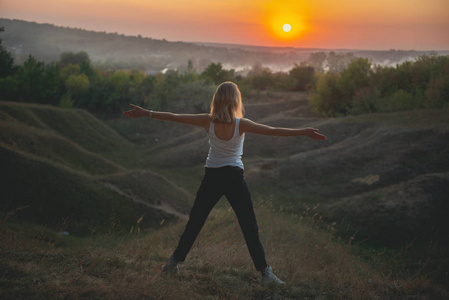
(361, 216)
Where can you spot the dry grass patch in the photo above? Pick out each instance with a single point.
(37, 263)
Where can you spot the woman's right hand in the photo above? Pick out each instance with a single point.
(136, 112)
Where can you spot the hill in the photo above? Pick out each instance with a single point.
(367, 162)
(55, 167)
(112, 50)
(366, 157)
(336, 209)
(37, 263)
(380, 180)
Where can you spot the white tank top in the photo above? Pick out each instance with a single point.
(225, 153)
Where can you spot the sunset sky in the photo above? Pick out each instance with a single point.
(349, 24)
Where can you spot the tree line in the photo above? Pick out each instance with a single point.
(338, 84)
(74, 82)
(362, 88)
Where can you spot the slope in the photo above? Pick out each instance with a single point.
(55, 164)
(41, 264)
(364, 155)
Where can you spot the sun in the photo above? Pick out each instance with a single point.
(287, 21)
(287, 27)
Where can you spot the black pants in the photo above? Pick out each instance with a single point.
(228, 181)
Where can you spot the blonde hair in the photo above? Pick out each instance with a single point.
(226, 103)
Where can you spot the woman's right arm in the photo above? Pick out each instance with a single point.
(201, 120)
(247, 125)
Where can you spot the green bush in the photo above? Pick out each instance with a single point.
(359, 88)
(325, 97)
(302, 77)
(401, 100)
(365, 101)
(66, 101)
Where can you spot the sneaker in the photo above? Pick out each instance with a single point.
(171, 266)
(269, 278)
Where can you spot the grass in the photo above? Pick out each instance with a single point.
(59, 163)
(70, 171)
(38, 263)
(54, 192)
(71, 124)
(431, 119)
(70, 137)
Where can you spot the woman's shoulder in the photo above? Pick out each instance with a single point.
(206, 119)
(201, 120)
(203, 117)
(244, 124)
(245, 121)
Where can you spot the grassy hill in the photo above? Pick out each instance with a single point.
(361, 216)
(380, 180)
(37, 263)
(364, 157)
(54, 163)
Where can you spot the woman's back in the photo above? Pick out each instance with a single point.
(224, 131)
(226, 145)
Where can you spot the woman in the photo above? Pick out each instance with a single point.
(226, 130)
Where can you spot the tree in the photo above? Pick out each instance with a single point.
(338, 62)
(30, 77)
(325, 97)
(86, 68)
(66, 101)
(264, 80)
(189, 74)
(35, 82)
(120, 81)
(191, 97)
(53, 85)
(316, 60)
(261, 77)
(216, 74)
(190, 66)
(77, 84)
(437, 93)
(399, 101)
(385, 80)
(69, 70)
(146, 89)
(437, 90)
(303, 77)
(357, 73)
(354, 78)
(6, 61)
(164, 86)
(366, 100)
(79, 58)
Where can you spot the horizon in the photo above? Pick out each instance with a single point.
(227, 44)
(323, 24)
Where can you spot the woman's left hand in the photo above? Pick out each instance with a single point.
(313, 134)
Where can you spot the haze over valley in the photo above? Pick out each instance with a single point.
(46, 42)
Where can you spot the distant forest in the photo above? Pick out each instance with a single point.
(63, 67)
(112, 50)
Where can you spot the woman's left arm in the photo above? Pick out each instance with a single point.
(247, 125)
